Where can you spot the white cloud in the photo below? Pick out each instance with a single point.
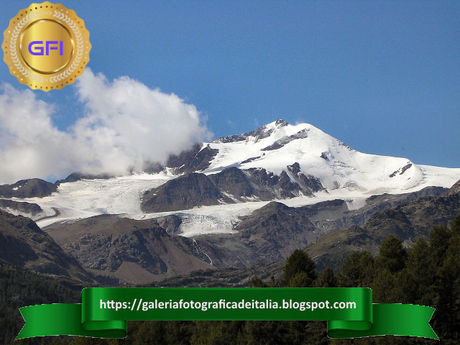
(125, 125)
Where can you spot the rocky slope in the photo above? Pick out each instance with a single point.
(21, 207)
(182, 193)
(275, 162)
(132, 251)
(23, 243)
(408, 221)
(229, 186)
(27, 189)
(238, 201)
(272, 232)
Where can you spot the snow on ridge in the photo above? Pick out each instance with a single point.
(345, 172)
(327, 158)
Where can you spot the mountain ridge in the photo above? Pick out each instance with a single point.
(296, 164)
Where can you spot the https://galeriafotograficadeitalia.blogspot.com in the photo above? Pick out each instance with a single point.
(46, 46)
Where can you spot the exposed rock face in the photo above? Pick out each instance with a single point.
(278, 228)
(308, 183)
(262, 185)
(455, 189)
(228, 186)
(25, 207)
(409, 221)
(24, 244)
(183, 193)
(257, 183)
(272, 232)
(196, 159)
(268, 186)
(234, 182)
(268, 234)
(334, 214)
(170, 223)
(133, 251)
(30, 188)
(402, 170)
(329, 250)
(286, 140)
(258, 134)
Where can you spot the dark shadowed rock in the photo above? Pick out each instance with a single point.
(170, 223)
(229, 185)
(31, 188)
(334, 214)
(23, 207)
(24, 244)
(401, 171)
(268, 186)
(309, 184)
(286, 140)
(189, 161)
(233, 181)
(455, 189)
(183, 193)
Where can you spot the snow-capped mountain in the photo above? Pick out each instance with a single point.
(238, 201)
(215, 183)
(279, 144)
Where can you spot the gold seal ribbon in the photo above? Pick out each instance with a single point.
(46, 46)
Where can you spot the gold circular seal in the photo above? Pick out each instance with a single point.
(46, 46)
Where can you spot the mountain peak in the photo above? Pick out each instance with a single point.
(259, 133)
(281, 123)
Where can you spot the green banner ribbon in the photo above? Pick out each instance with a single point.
(104, 312)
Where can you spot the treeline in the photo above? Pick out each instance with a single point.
(427, 274)
(19, 288)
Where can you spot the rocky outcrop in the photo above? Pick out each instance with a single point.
(183, 193)
(308, 183)
(286, 140)
(234, 182)
(401, 170)
(334, 214)
(170, 223)
(257, 134)
(455, 189)
(31, 188)
(228, 186)
(196, 159)
(268, 186)
(277, 227)
(23, 207)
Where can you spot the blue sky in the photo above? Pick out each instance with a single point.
(382, 76)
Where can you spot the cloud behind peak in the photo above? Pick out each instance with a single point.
(125, 124)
